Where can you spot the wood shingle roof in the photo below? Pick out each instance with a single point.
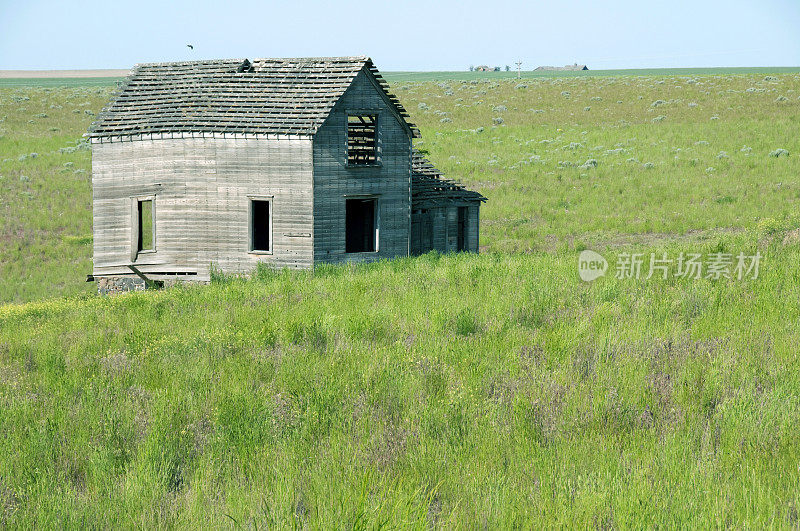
(265, 96)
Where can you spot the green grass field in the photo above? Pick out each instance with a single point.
(448, 391)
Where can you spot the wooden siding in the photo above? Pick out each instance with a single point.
(202, 189)
(473, 228)
(335, 181)
(443, 222)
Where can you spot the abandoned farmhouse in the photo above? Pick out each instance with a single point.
(290, 162)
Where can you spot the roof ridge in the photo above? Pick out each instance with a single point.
(349, 58)
(232, 60)
(193, 62)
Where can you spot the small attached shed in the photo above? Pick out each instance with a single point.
(445, 216)
(226, 164)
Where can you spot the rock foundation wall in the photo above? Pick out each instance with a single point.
(112, 285)
(122, 284)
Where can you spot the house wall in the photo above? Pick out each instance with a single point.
(334, 181)
(421, 231)
(444, 221)
(473, 228)
(201, 188)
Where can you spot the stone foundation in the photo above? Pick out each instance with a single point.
(124, 283)
(112, 285)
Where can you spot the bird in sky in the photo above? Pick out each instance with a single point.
(190, 46)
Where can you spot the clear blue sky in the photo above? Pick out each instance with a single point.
(404, 35)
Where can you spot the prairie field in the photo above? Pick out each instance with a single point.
(489, 390)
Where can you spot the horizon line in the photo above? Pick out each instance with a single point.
(12, 73)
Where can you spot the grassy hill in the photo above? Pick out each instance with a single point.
(566, 163)
(45, 185)
(494, 390)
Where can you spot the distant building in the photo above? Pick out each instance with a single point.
(572, 67)
(484, 68)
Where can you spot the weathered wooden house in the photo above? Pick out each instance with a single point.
(290, 162)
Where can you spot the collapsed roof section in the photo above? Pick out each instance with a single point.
(428, 186)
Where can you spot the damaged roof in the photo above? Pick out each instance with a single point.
(263, 96)
(428, 184)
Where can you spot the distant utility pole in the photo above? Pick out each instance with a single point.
(519, 69)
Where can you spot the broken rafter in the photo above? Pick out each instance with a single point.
(428, 185)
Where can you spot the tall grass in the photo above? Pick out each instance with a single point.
(493, 390)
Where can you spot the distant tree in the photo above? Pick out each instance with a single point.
(471, 68)
(508, 68)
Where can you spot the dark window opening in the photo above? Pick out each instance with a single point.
(361, 229)
(461, 242)
(362, 132)
(146, 229)
(260, 226)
